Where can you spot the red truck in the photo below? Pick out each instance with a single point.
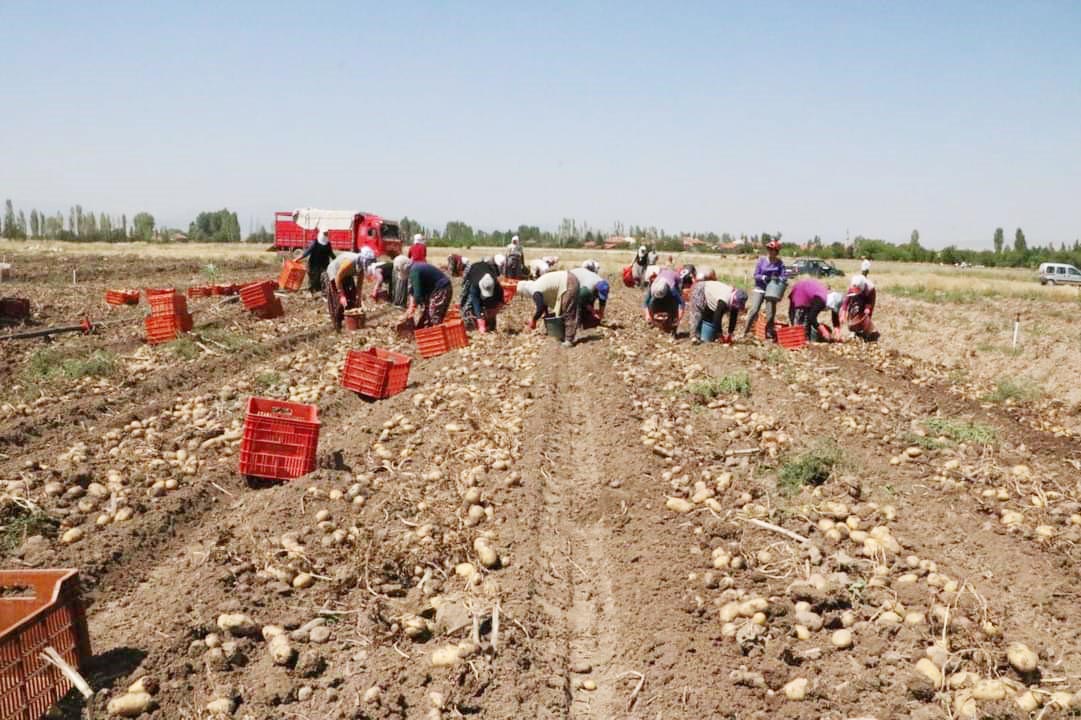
(349, 230)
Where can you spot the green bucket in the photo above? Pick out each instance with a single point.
(555, 328)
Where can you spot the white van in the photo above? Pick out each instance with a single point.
(1055, 273)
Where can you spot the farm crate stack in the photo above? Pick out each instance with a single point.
(280, 439)
(375, 373)
(39, 609)
(169, 316)
(259, 298)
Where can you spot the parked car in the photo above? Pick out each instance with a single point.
(1054, 273)
(815, 267)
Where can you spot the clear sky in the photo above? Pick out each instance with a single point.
(803, 117)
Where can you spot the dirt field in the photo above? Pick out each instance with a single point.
(630, 528)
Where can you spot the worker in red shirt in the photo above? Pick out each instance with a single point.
(418, 251)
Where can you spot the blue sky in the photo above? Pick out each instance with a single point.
(804, 117)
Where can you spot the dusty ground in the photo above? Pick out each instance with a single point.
(636, 505)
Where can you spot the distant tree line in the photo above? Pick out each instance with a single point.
(223, 226)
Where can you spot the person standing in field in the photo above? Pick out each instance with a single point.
(418, 251)
(769, 269)
(865, 266)
(554, 290)
(430, 291)
(343, 282)
(319, 255)
(515, 259)
(709, 302)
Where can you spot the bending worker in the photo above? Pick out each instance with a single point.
(554, 290)
(482, 294)
(769, 269)
(709, 302)
(401, 280)
(430, 291)
(808, 298)
(664, 296)
(343, 281)
(592, 297)
(858, 306)
(319, 255)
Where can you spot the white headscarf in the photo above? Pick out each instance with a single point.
(418, 239)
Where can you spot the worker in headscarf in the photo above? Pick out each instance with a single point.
(592, 297)
(319, 255)
(641, 262)
(865, 266)
(538, 267)
(482, 294)
(500, 262)
(381, 276)
(550, 292)
(768, 269)
(808, 298)
(664, 296)
(592, 266)
(710, 300)
(705, 272)
(857, 307)
(418, 251)
(401, 280)
(430, 292)
(343, 282)
(515, 259)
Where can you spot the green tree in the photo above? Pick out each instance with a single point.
(914, 238)
(124, 225)
(20, 226)
(8, 228)
(35, 228)
(459, 234)
(216, 226)
(1019, 244)
(80, 227)
(142, 227)
(1000, 239)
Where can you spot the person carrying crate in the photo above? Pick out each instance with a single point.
(709, 302)
(343, 282)
(482, 294)
(550, 291)
(319, 255)
(430, 291)
(769, 279)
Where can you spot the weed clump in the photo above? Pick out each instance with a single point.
(734, 384)
(810, 468)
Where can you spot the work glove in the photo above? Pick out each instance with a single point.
(343, 300)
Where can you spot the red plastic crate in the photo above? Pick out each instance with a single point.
(201, 292)
(760, 327)
(122, 297)
(510, 288)
(375, 373)
(280, 439)
(232, 289)
(792, 337)
(257, 294)
(167, 303)
(39, 609)
(454, 331)
(431, 341)
(271, 310)
(292, 275)
(163, 328)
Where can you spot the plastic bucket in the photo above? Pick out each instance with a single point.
(708, 332)
(775, 289)
(555, 328)
(354, 321)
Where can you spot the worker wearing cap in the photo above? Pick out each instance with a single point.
(808, 298)
(710, 300)
(551, 291)
(430, 291)
(418, 251)
(482, 294)
(768, 269)
(319, 255)
(343, 282)
(592, 297)
(857, 307)
(664, 296)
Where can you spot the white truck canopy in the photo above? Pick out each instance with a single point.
(314, 219)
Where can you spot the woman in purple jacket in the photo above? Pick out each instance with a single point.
(767, 269)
